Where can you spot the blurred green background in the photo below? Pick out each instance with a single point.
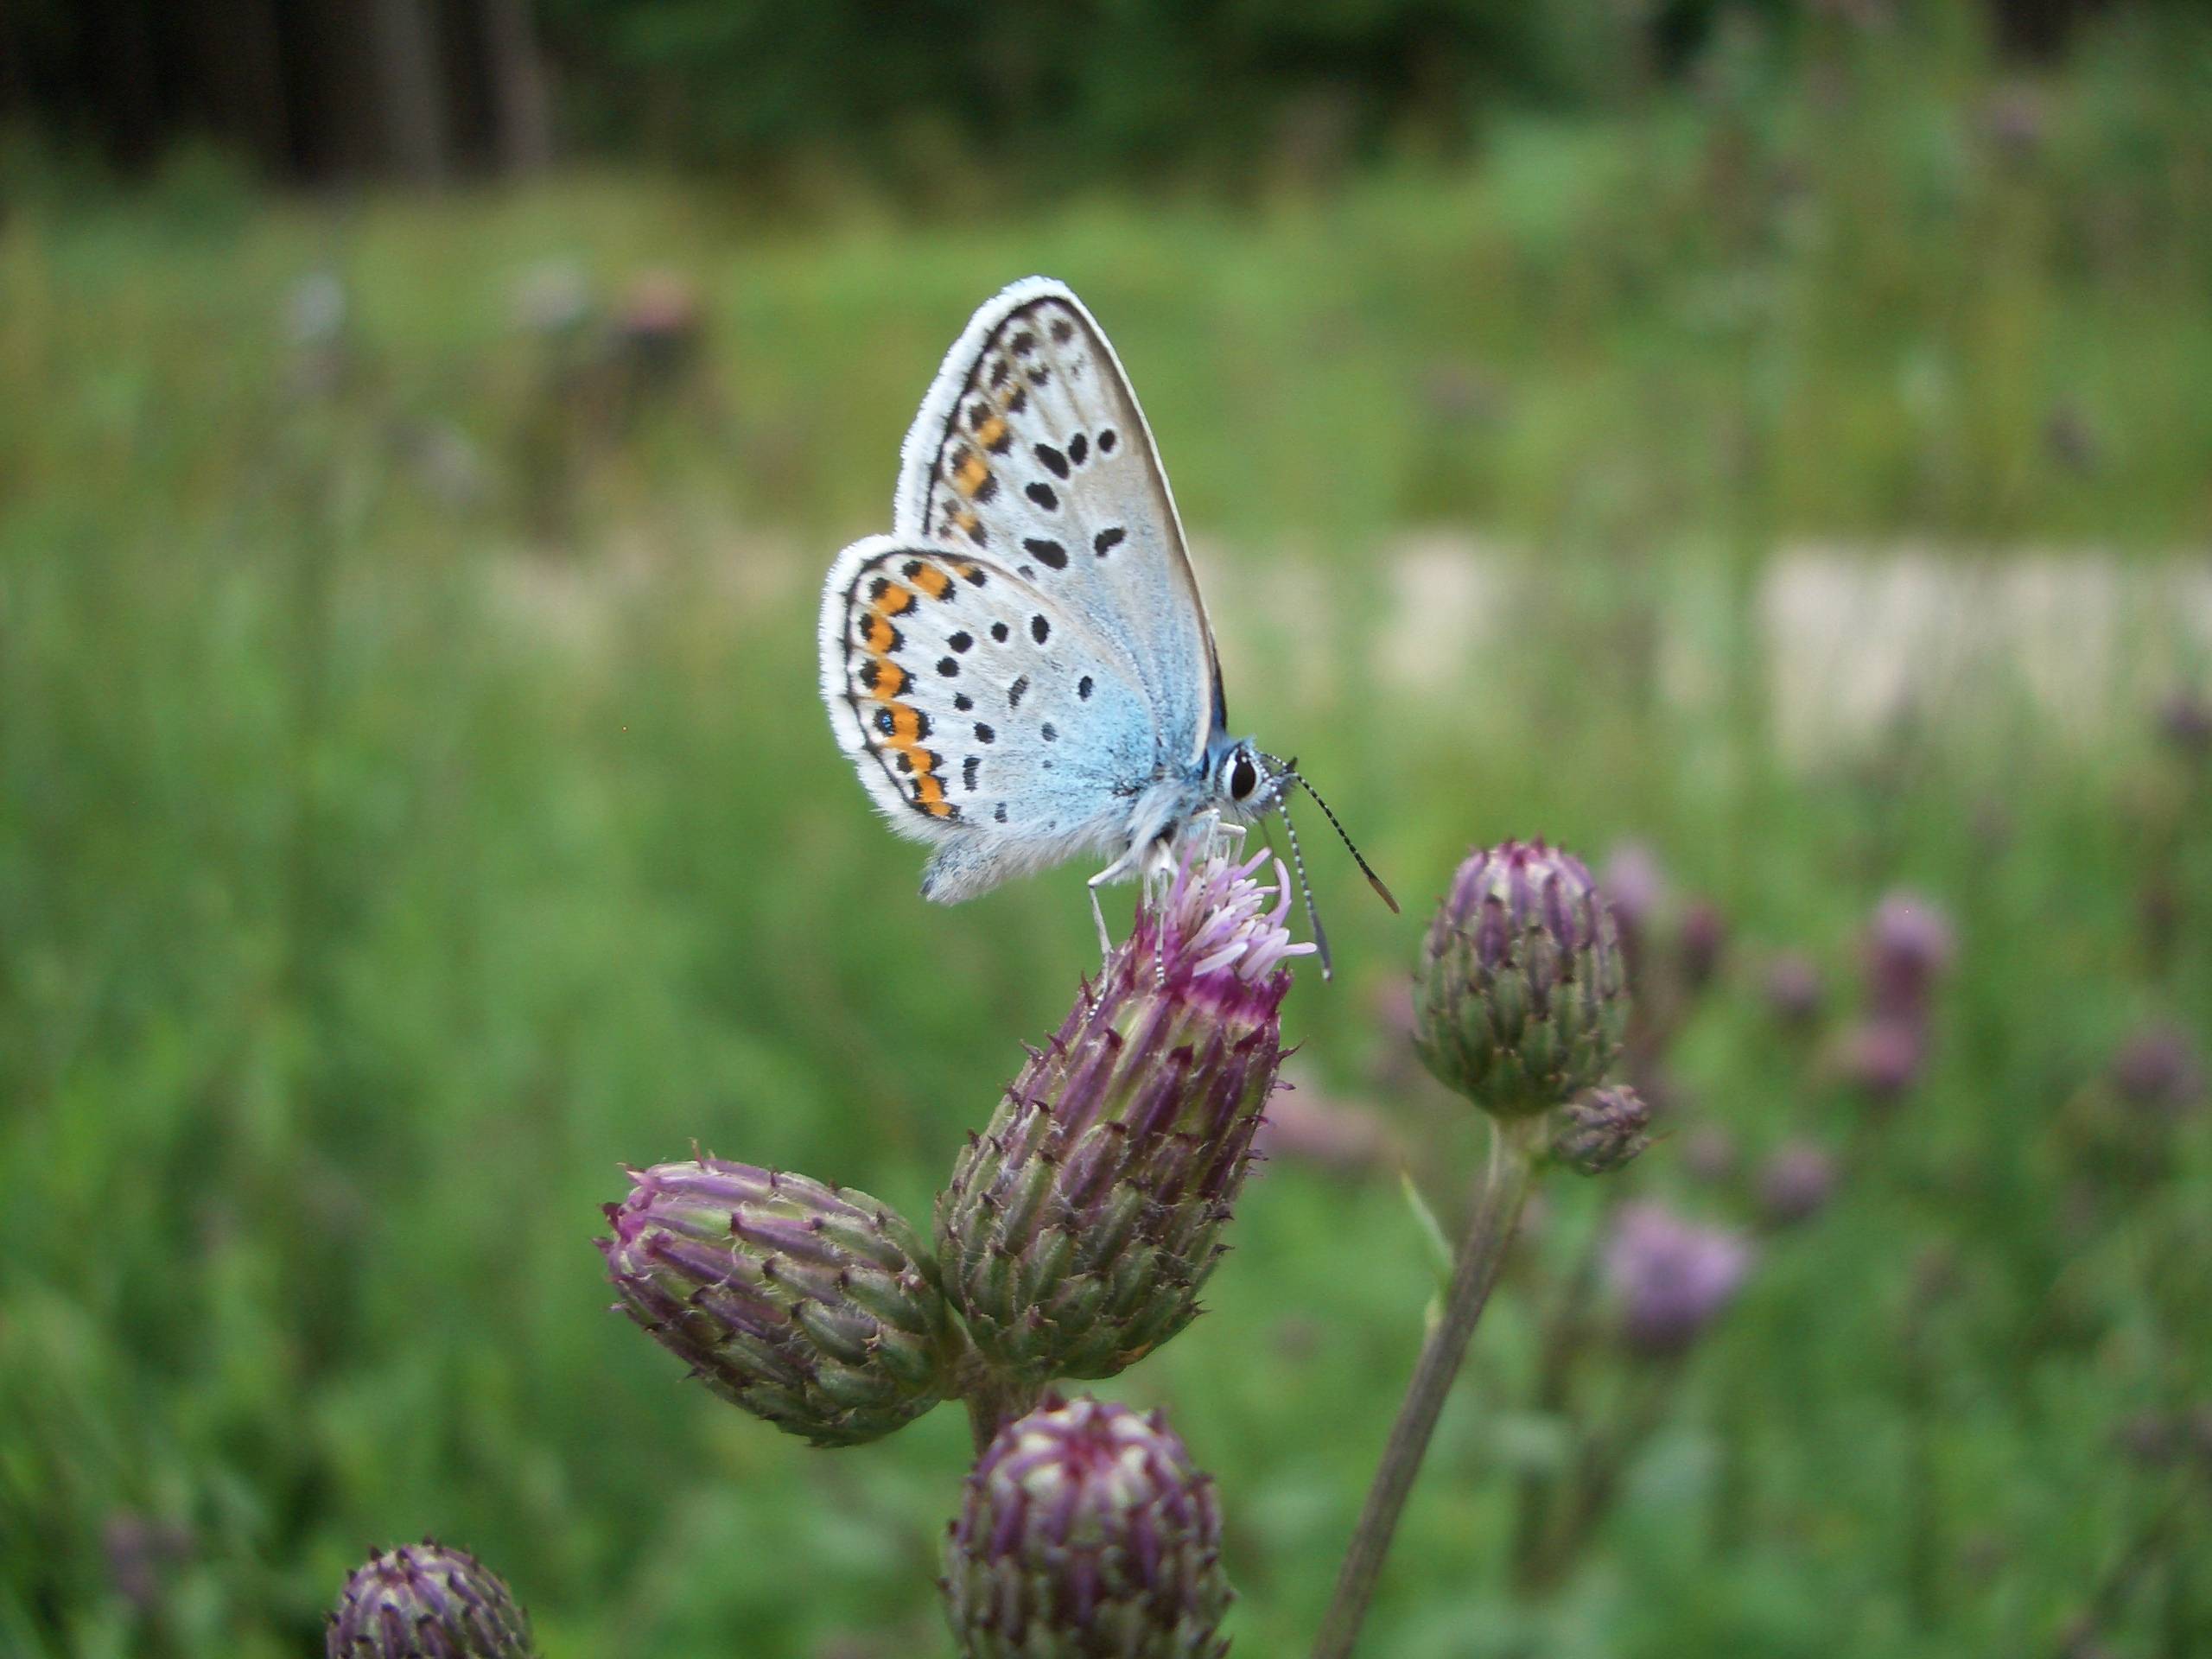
(1777, 436)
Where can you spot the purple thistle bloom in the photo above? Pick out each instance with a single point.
(424, 1601)
(2185, 722)
(813, 1306)
(1882, 1057)
(1084, 1531)
(1518, 996)
(2158, 1069)
(1793, 988)
(1672, 1278)
(1909, 946)
(1635, 886)
(1797, 1183)
(1704, 939)
(1080, 1224)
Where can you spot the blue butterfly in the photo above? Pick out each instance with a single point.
(1022, 670)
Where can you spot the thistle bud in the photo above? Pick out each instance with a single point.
(1517, 989)
(1671, 1277)
(424, 1601)
(1079, 1226)
(1601, 1130)
(813, 1306)
(1085, 1533)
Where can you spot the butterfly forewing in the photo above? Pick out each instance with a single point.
(1031, 451)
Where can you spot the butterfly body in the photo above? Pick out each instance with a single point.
(1022, 670)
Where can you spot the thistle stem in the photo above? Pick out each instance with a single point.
(1482, 1255)
(992, 1404)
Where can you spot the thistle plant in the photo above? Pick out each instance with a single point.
(1080, 1224)
(1086, 1533)
(425, 1601)
(1519, 1007)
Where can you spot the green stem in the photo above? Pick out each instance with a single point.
(992, 1403)
(1481, 1254)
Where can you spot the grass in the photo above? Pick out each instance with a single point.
(417, 805)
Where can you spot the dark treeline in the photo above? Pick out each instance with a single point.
(312, 90)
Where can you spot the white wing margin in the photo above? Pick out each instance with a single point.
(1030, 450)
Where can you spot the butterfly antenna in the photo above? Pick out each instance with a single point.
(1373, 880)
(1298, 862)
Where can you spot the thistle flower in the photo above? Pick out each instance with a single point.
(2158, 1069)
(1909, 944)
(1085, 1533)
(1882, 1057)
(2185, 722)
(1601, 1130)
(1635, 886)
(1079, 1226)
(811, 1305)
(424, 1601)
(1793, 988)
(1797, 1183)
(1703, 939)
(1672, 1278)
(1517, 989)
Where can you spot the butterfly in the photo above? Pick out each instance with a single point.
(1022, 670)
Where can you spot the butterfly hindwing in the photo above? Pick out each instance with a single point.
(1031, 451)
(977, 708)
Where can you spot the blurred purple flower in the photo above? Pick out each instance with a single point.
(1909, 944)
(2158, 1069)
(1305, 1126)
(1793, 988)
(2185, 722)
(1704, 937)
(1797, 1183)
(1882, 1057)
(1635, 886)
(139, 1554)
(1673, 1277)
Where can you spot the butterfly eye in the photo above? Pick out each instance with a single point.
(1242, 779)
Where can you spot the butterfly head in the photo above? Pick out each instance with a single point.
(1249, 783)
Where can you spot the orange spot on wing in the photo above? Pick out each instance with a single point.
(877, 634)
(895, 600)
(991, 432)
(932, 581)
(968, 477)
(890, 679)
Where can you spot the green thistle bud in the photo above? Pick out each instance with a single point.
(1600, 1130)
(1086, 1534)
(424, 1601)
(1518, 999)
(1080, 1224)
(811, 1306)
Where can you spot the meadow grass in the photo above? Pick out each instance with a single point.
(417, 805)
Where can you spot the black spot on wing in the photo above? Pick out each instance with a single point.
(1044, 495)
(1039, 629)
(1078, 449)
(1108, 539)
(1048, 551)
(1051, 459)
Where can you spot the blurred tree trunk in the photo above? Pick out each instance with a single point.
(410, 104)
(521, 100)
